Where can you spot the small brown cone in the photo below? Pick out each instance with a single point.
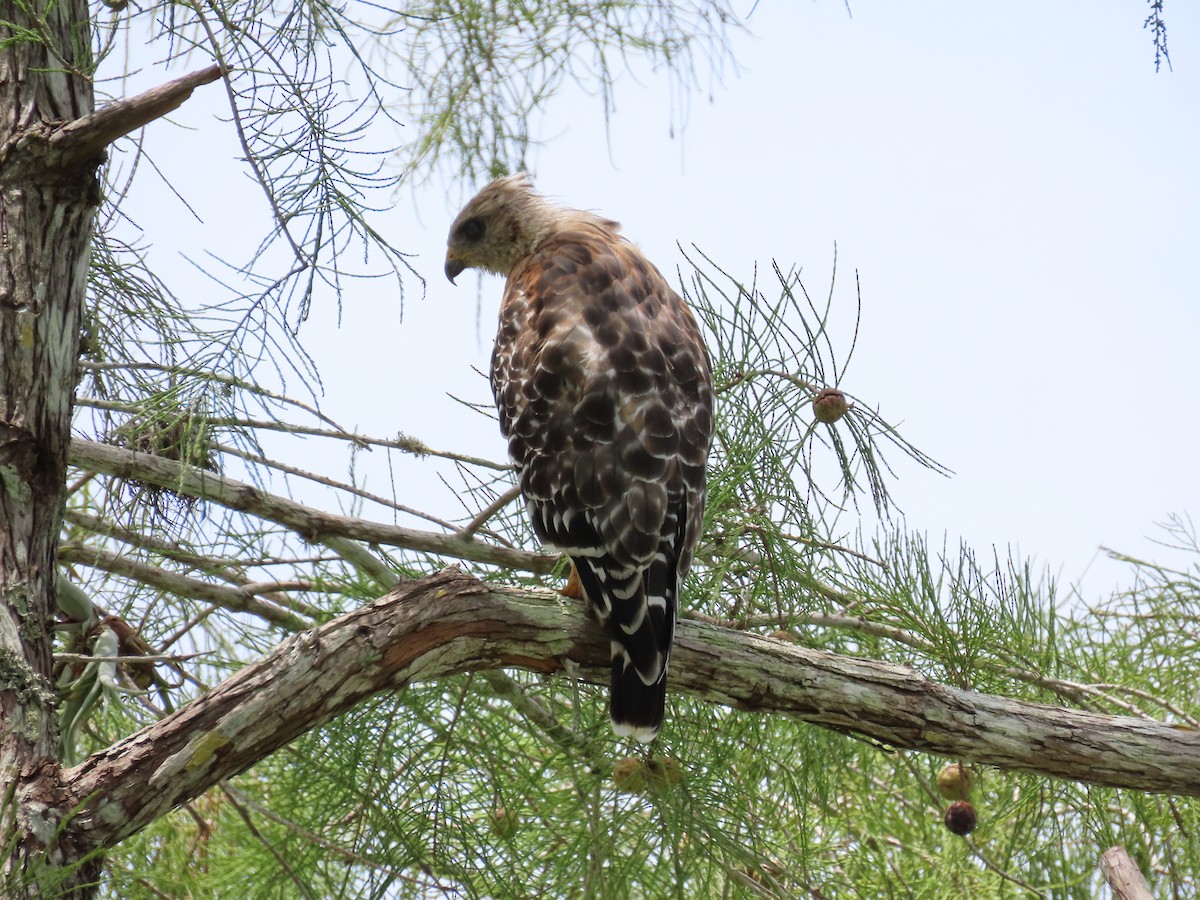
(955, 781)
(829, 405)
(960, 818)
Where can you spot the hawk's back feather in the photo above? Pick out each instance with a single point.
(605, 395)
(604, 390)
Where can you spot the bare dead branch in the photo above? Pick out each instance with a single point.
(241, 599)
(403, 443)
(311, 524)
(257, 459)
(490, 510)
(153, 658)
(83, 138)
(224, 569)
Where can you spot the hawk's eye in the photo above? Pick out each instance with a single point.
(472, 229)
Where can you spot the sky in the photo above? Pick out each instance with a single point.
(1016, 187)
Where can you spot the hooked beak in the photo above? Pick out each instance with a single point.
(453, 268)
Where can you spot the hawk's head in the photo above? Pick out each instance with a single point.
(504, 223)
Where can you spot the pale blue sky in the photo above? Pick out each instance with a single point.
(1016, 187)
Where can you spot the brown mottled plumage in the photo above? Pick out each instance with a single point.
(605, 395)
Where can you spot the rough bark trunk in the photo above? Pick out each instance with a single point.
(51, 144)
(47, 205)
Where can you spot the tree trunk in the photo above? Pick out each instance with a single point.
(48, 199)
(52, 142)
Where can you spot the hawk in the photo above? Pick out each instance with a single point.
(604, 391)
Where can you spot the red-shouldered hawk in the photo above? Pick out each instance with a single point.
(605, 395)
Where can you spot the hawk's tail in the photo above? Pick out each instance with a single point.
(636, 708)
(637, 609)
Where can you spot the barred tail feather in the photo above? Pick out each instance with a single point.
(636, 708)
(637, 608)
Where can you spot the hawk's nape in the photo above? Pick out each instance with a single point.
(604, 391)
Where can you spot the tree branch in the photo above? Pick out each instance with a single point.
(450, 623)
(238, 599)
(309, 523)
(1124, 878)
(83, 138)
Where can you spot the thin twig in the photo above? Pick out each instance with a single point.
(149, 658)
(490, 510)
(236, 599)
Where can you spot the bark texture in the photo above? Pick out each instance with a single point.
(47, 205)
(1124, 878)
(450, 623)
(52, 143)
